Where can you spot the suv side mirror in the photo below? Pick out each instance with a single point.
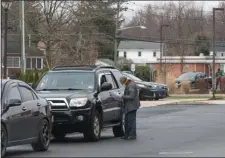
(14, 102)
(106, 86)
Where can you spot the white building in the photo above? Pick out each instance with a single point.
(138, 51)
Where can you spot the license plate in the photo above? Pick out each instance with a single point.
(52, 118)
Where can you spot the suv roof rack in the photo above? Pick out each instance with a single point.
(81, 67)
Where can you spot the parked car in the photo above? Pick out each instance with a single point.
(84, 99)
(25, 117)
(192, 77)
(148, 90)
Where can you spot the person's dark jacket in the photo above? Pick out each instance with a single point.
(131, 98)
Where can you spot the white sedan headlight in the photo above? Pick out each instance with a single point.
(78, 102)
(154, 86)
(141, 85)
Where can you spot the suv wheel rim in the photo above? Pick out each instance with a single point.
(96, 126)
(3, 140)
(45, 134)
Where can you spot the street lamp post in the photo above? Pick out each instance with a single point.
(161, 31)
(115, 41)
(214, 50)
(6, 6)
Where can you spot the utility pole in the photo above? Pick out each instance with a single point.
(23, 55)
(161, 26)
(214, 51)
(116, 31)
(165, 64)
(5, 42)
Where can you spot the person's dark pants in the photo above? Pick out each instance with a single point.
(217, 82)
(130, 124)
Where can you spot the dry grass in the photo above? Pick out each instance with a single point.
(170, 82)
(222, 84)
(202, 85)
(185, 86)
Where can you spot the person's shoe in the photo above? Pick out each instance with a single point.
(131, 138)
(124, 137)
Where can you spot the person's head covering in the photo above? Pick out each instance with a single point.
(124, 80)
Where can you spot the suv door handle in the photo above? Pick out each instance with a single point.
(24, 108)
(38, 104)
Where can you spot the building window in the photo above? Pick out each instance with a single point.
(139, 54)
(124, 54)
(33, 63)
(13, 62)
(222, 54)
(154, 54)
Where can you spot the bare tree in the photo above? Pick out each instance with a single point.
(48, 20)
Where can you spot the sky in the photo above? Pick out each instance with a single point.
(136, 5)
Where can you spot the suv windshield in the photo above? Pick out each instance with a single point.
(67, 81)
(187, 76)
(132, 77)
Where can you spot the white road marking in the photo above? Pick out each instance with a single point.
(175, 153)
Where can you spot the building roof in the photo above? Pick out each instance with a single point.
(138, 45)
(107, 61)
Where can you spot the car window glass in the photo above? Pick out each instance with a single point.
(102, 80)
(118, 75)
(34, 95)
(13, 94)
(27, 94)
(111, 80)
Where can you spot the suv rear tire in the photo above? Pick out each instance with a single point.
(93, 132)
(118, 131)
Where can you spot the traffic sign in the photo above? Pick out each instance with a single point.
(133, 67)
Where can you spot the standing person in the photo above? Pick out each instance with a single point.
(131, 105)
(219, 74)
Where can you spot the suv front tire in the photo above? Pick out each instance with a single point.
(93, 132)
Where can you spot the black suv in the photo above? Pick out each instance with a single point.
(84, 99)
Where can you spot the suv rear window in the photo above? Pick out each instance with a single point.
(67, 80)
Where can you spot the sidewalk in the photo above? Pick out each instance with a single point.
(180, 101)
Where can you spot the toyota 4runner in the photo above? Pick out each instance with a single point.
(84, 99)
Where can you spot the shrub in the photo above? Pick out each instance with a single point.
(36, 75)
(185, 86)
(143, 72)
(202, 85)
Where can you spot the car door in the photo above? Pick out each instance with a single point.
(14, 120)
(31, 113)
(115, 96)
(104, 97)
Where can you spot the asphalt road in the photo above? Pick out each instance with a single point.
(163, 131)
